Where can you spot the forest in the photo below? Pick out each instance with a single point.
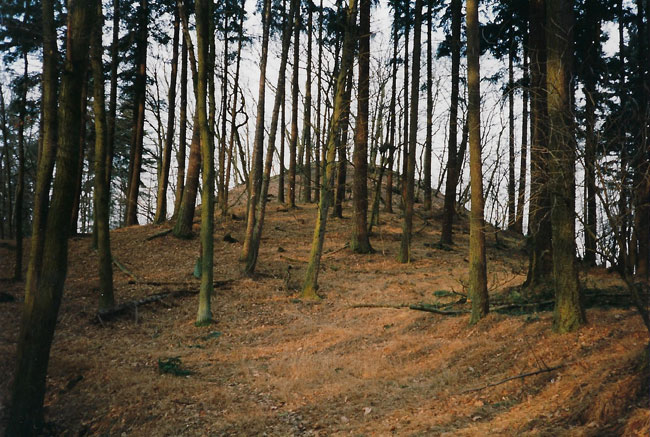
(350, 217)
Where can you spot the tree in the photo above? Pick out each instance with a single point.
(407, 225)
(102, 186)
(42, 306)
(310, 285)
(293, 144)
(204, 316)
(477, 265)
(449, 210)
(428, 146)
(359, 241)
(182, 132)
(568, 314)
(307, 122)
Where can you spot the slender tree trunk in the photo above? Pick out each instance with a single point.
(568, 314)
(307, 126)
(221, 179)
(539, 226)
(405, 151)
(523, 163)
(311, 277)
(294, 113)
(102, 189)
(428, 146)
(182, 141)
(283, 128)
(260, 207)
(204, 315)
(623, 209)
(393, 119)
(41, 307)
(477, 262)
(140, 88)
(20, 184)
(112, 99)
(74, 221)
(407, 224)
(359, 242)
(449, 208)
(319, 133)
(511, 135)
(255, 178)
(48, 146)
(161, 197)
(7, 155)
(342, 146)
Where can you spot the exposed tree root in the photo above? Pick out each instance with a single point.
(159, 234)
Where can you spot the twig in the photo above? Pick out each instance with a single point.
(124, 269)
(379, 305)
(520, 376)
(345, 246)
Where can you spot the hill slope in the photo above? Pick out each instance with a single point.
(349, 365)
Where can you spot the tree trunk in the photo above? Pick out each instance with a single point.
(359, 241)
(523, 163)
(568, 314)
(294, 113)
(204, 315)
(407, 225)
(20, 184)
(342, 146)
(319, 133)
(112, 99)
(539, 226)
(311, 277)
(41, 307)
(222, 188)
(260, 206)
(393, 119)
(140, 89)
(74, 221)
(449, 208)
(477, 263)
(428, 146)
(161, 197)
(7, 156)
(182, 141)
(255, 177)
(307, 126)
(102, 189)
(511, 135)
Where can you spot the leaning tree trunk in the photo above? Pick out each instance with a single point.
(407, 225)
(41, 307)
(102, 188)
(477, 264)
(311, 277)
(449, 208)
(161, 198)
(359, 241)
(568, 314)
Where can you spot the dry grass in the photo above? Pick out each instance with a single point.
(286, 367)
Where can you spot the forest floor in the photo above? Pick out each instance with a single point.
(275, 365)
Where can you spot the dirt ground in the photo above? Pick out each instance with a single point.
(274, 365)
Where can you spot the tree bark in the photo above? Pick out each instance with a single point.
(294, 113)
(182, 141)
(20, 183)
(41, 307)
(523, 159)
(449, 208)
(307, 126)
(428, 146)
(568, 314)
(393, 118)
(407, 225)
(359, 241)
(477, 262)
(511, 134)
(341, 147)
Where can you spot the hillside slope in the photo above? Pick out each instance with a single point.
(356, 363)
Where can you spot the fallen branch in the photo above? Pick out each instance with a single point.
(521, 305)
(433, 309)
(345, 246)
(159, 234)
(520, 376)
(124, 269)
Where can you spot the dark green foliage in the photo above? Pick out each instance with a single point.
(172, 366)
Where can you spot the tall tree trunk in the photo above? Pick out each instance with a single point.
(319, 133)
(477, 263)
(161, 197)
(405, 151)
(203, 13)
(407, 225)
(140, 89)
(449, 208)
(539, 223)
(8, 152)
(359, 241)
(182, 132)
(102, 188)
(20, 184)
(74, 221)
(112, 99)
(260, 207)
(283, 129)
(42, 307)
(393, 117)
(221, 179)
(568, 314)
(307, 126)
(255, 177)
(523, 161)
(341, 147)
(48, 146)
(294, 113)
(428, 147)
(511, 134)
(310, 285)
